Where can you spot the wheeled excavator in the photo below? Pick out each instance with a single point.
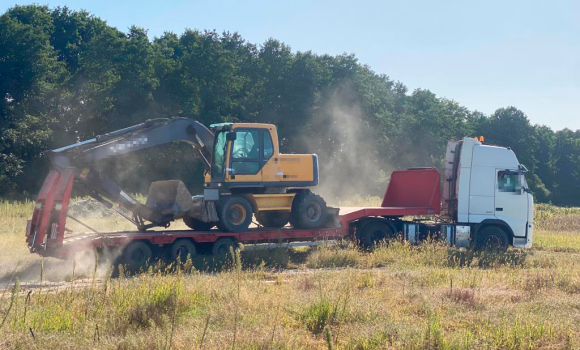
(245, 175)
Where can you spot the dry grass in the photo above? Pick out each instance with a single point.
(396, 297)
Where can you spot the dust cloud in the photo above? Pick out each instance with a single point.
(47, 271)
(347, 146)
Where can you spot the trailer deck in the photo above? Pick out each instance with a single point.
(410, 193)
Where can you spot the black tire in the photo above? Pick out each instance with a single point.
(223, 247)
(181, 249)
(136, 255)
(274, 219)
(308, 211)
(198, 225)
(492, 238)
(375, 233)
(235, 214)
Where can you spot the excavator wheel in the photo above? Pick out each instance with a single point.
(198, 225)
(235, 214)
(274, 219)
(308, 211)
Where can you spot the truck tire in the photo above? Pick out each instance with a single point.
(375, 233)
(235, 214)
(223, 247)
(492, 238)
(308, 211)
(136, 255)
(274, 219)
(198, 225)
(181, 249)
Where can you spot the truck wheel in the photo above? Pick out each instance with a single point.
(223, 247)
(492, 238)
(198, 225)
(274, 219)
(235, 214)
(374, 233)
(181, 249)
(308, 211)
(136, 255)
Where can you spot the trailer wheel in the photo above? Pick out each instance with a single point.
(374, 233)
(492, 238)
(223, 247)
(235, 214)
(181, 249)
(198, 225)
(308, 211)
(274, 219)
(136, 255)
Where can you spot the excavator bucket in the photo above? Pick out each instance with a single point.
(172, 198)
(169, 197)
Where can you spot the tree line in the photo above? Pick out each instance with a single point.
(67, 76)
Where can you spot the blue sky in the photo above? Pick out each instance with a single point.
(485, 54)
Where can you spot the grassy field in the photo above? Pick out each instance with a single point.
(397, 297)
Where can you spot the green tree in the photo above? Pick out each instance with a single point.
(566, 161)
(30, 75)
(66, 76)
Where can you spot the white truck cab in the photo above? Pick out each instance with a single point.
(486, 192)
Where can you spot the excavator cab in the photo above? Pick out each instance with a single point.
(246, 157)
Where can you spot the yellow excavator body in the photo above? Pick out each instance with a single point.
(253, 158)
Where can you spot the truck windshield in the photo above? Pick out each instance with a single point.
(219, 153)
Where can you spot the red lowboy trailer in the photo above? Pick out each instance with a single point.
(414, 192)
(485, 203)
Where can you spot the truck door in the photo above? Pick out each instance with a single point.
(511, 202)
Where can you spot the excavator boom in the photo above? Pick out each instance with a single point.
(152, 133)
(80, 158)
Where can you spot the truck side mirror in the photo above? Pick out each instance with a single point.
(523, 187)
(231, 136)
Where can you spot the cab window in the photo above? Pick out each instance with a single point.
(246, 153)
(509, 181)
(246, 145)
(219, 158)
(268, 145)
(245, 168)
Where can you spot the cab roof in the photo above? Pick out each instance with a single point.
(221, 126)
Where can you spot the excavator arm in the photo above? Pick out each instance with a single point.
(82, 156)
(152, 133)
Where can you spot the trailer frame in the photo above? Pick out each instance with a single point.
(410, 193)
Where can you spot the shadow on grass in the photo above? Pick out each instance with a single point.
(486, 258)
(277, 259)
(273, 259)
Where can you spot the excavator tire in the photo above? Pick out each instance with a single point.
(308, 211)
(274, 219)
(198, 225)
(235, 214)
